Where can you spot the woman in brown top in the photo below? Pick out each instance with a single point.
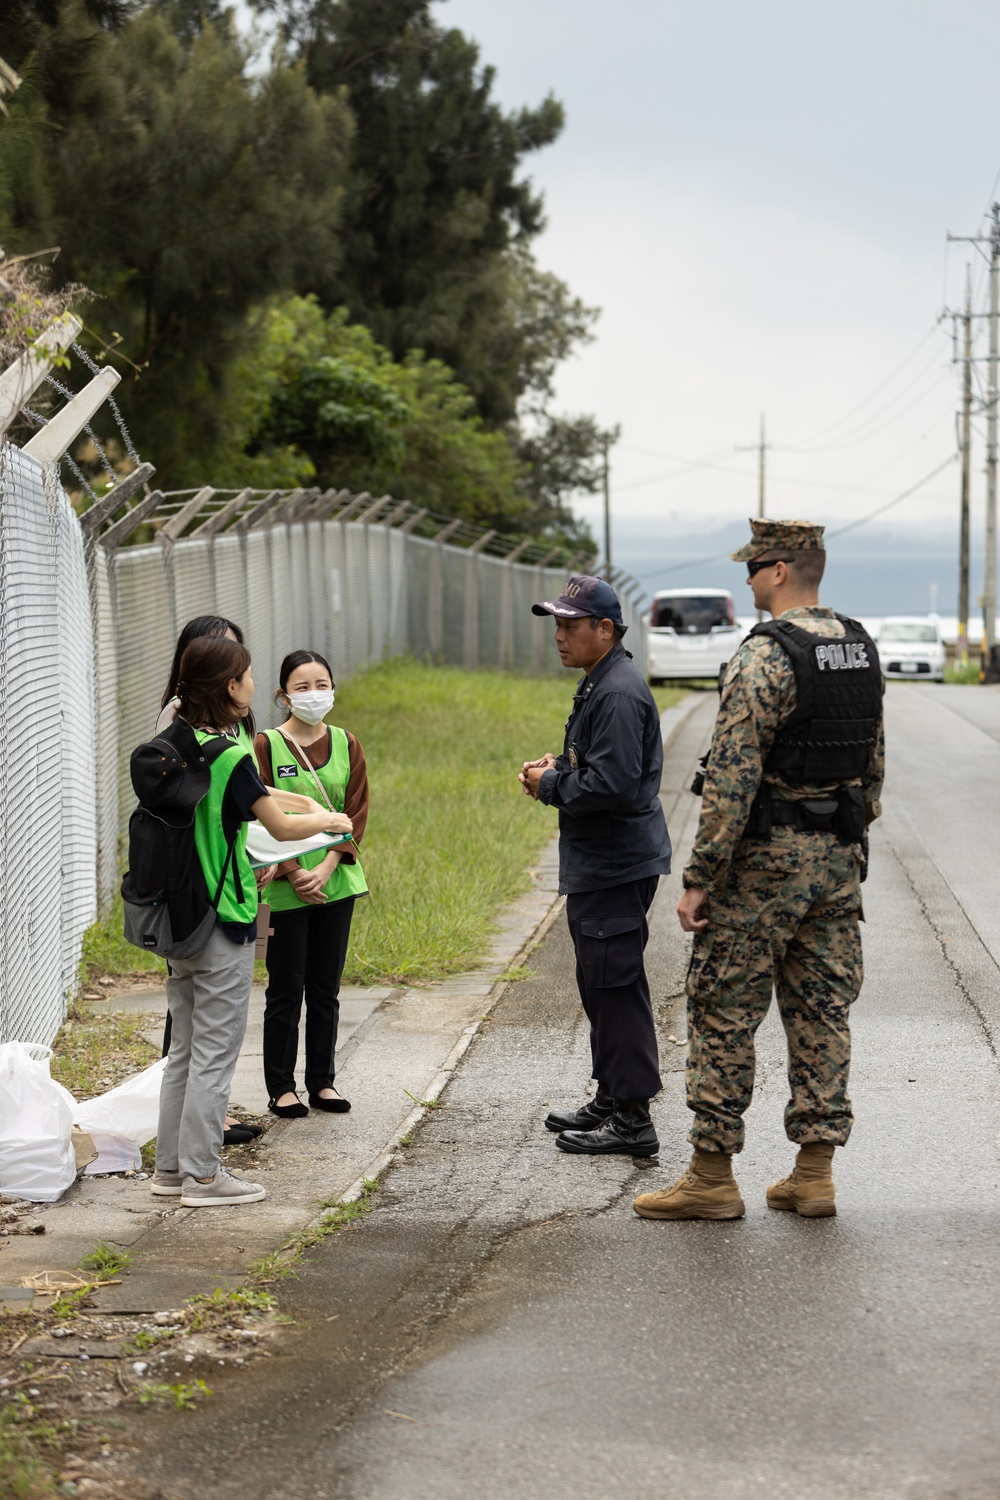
(311, 898)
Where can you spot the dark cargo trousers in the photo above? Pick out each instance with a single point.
(609, 933)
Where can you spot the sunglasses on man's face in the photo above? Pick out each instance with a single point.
(764, 562)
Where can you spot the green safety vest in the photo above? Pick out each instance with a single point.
(238, 901)
(290, 776)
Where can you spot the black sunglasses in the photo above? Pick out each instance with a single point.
(764, 562)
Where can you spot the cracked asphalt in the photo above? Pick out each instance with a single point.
(503, 1327)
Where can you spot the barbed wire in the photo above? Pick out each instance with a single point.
(95, 369)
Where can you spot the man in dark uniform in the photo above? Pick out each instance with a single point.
(772, 890)
(613, 847)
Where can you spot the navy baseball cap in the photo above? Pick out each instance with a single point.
(583, 596)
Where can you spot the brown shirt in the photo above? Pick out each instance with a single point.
(356, 798)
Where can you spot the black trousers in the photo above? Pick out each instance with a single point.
(305, 957)
(609, 933)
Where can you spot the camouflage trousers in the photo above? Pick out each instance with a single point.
(787, 918)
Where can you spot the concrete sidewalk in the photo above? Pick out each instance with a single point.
(397, 1047)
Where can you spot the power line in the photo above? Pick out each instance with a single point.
(698, 562)
(832, 426)
(872, 515)
(861, 433)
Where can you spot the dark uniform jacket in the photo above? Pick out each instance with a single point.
(606, 783)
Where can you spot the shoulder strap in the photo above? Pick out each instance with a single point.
(307, 766)
(225, 867)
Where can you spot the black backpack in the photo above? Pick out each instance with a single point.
(167, 905)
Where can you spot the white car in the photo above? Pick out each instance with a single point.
(911, 646)
(691, 633)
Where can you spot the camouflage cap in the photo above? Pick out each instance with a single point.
(780, 536)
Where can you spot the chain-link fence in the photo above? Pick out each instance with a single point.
(89, 631)
(48, 817)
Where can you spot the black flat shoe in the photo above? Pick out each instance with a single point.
(236, 1135)
(250, 1131)
(296, 1111)
(336, 1106)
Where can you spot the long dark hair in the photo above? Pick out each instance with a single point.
(194, 630)
(208, 666)
(301, 659)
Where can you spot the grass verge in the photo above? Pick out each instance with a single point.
(967, 672)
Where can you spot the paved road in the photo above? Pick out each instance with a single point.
(503, 1327)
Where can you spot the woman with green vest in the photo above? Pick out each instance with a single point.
(209, 993)
(312, 898)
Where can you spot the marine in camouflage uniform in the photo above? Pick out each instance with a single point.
(782, 911)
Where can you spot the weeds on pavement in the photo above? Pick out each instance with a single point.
(105, 1261)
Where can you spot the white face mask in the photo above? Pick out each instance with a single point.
(311, 708)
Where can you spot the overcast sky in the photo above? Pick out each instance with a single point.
(756, 193)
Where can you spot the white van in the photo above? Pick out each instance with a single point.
(691, 633)
(911, 646)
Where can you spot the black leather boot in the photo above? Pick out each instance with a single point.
(592, 1114)
(628, 1131)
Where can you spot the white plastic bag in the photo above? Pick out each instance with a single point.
(130, 1110)
(115, 1153)
(37, 1160)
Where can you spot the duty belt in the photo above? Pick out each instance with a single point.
(809, 814)
(842, 814)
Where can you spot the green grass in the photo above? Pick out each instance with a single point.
(184, 1396)
(105, 1261)
(451, 835)
(969, 673)
(29, 1452)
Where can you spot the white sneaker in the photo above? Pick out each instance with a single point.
(224, 1191)
(166, 1184)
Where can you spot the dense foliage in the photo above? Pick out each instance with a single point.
(321, 267)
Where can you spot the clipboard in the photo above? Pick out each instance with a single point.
(263, 849)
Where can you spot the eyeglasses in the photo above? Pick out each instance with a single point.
(764, 562)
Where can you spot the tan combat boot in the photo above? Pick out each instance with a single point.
(809, 1189)
(707, 1190)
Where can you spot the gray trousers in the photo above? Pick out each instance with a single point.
(208, 996)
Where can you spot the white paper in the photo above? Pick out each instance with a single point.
(264, 849)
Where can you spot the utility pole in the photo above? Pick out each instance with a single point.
(607, 503)
(760, 448)
(760, 469)
(990, 569)
(963, 551)
(989, 595)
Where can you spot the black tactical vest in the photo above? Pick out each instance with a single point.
(838, 685)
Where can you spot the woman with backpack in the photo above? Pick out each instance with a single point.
(311, 898)
(236, 1132)
(209, 992)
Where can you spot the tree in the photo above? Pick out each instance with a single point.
(319, 398)
(435, 201)
(205, 191)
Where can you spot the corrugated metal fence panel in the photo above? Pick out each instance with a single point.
(190, 567)
(229, 580)
(106, 715)
(144, 646)
(47, 807)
